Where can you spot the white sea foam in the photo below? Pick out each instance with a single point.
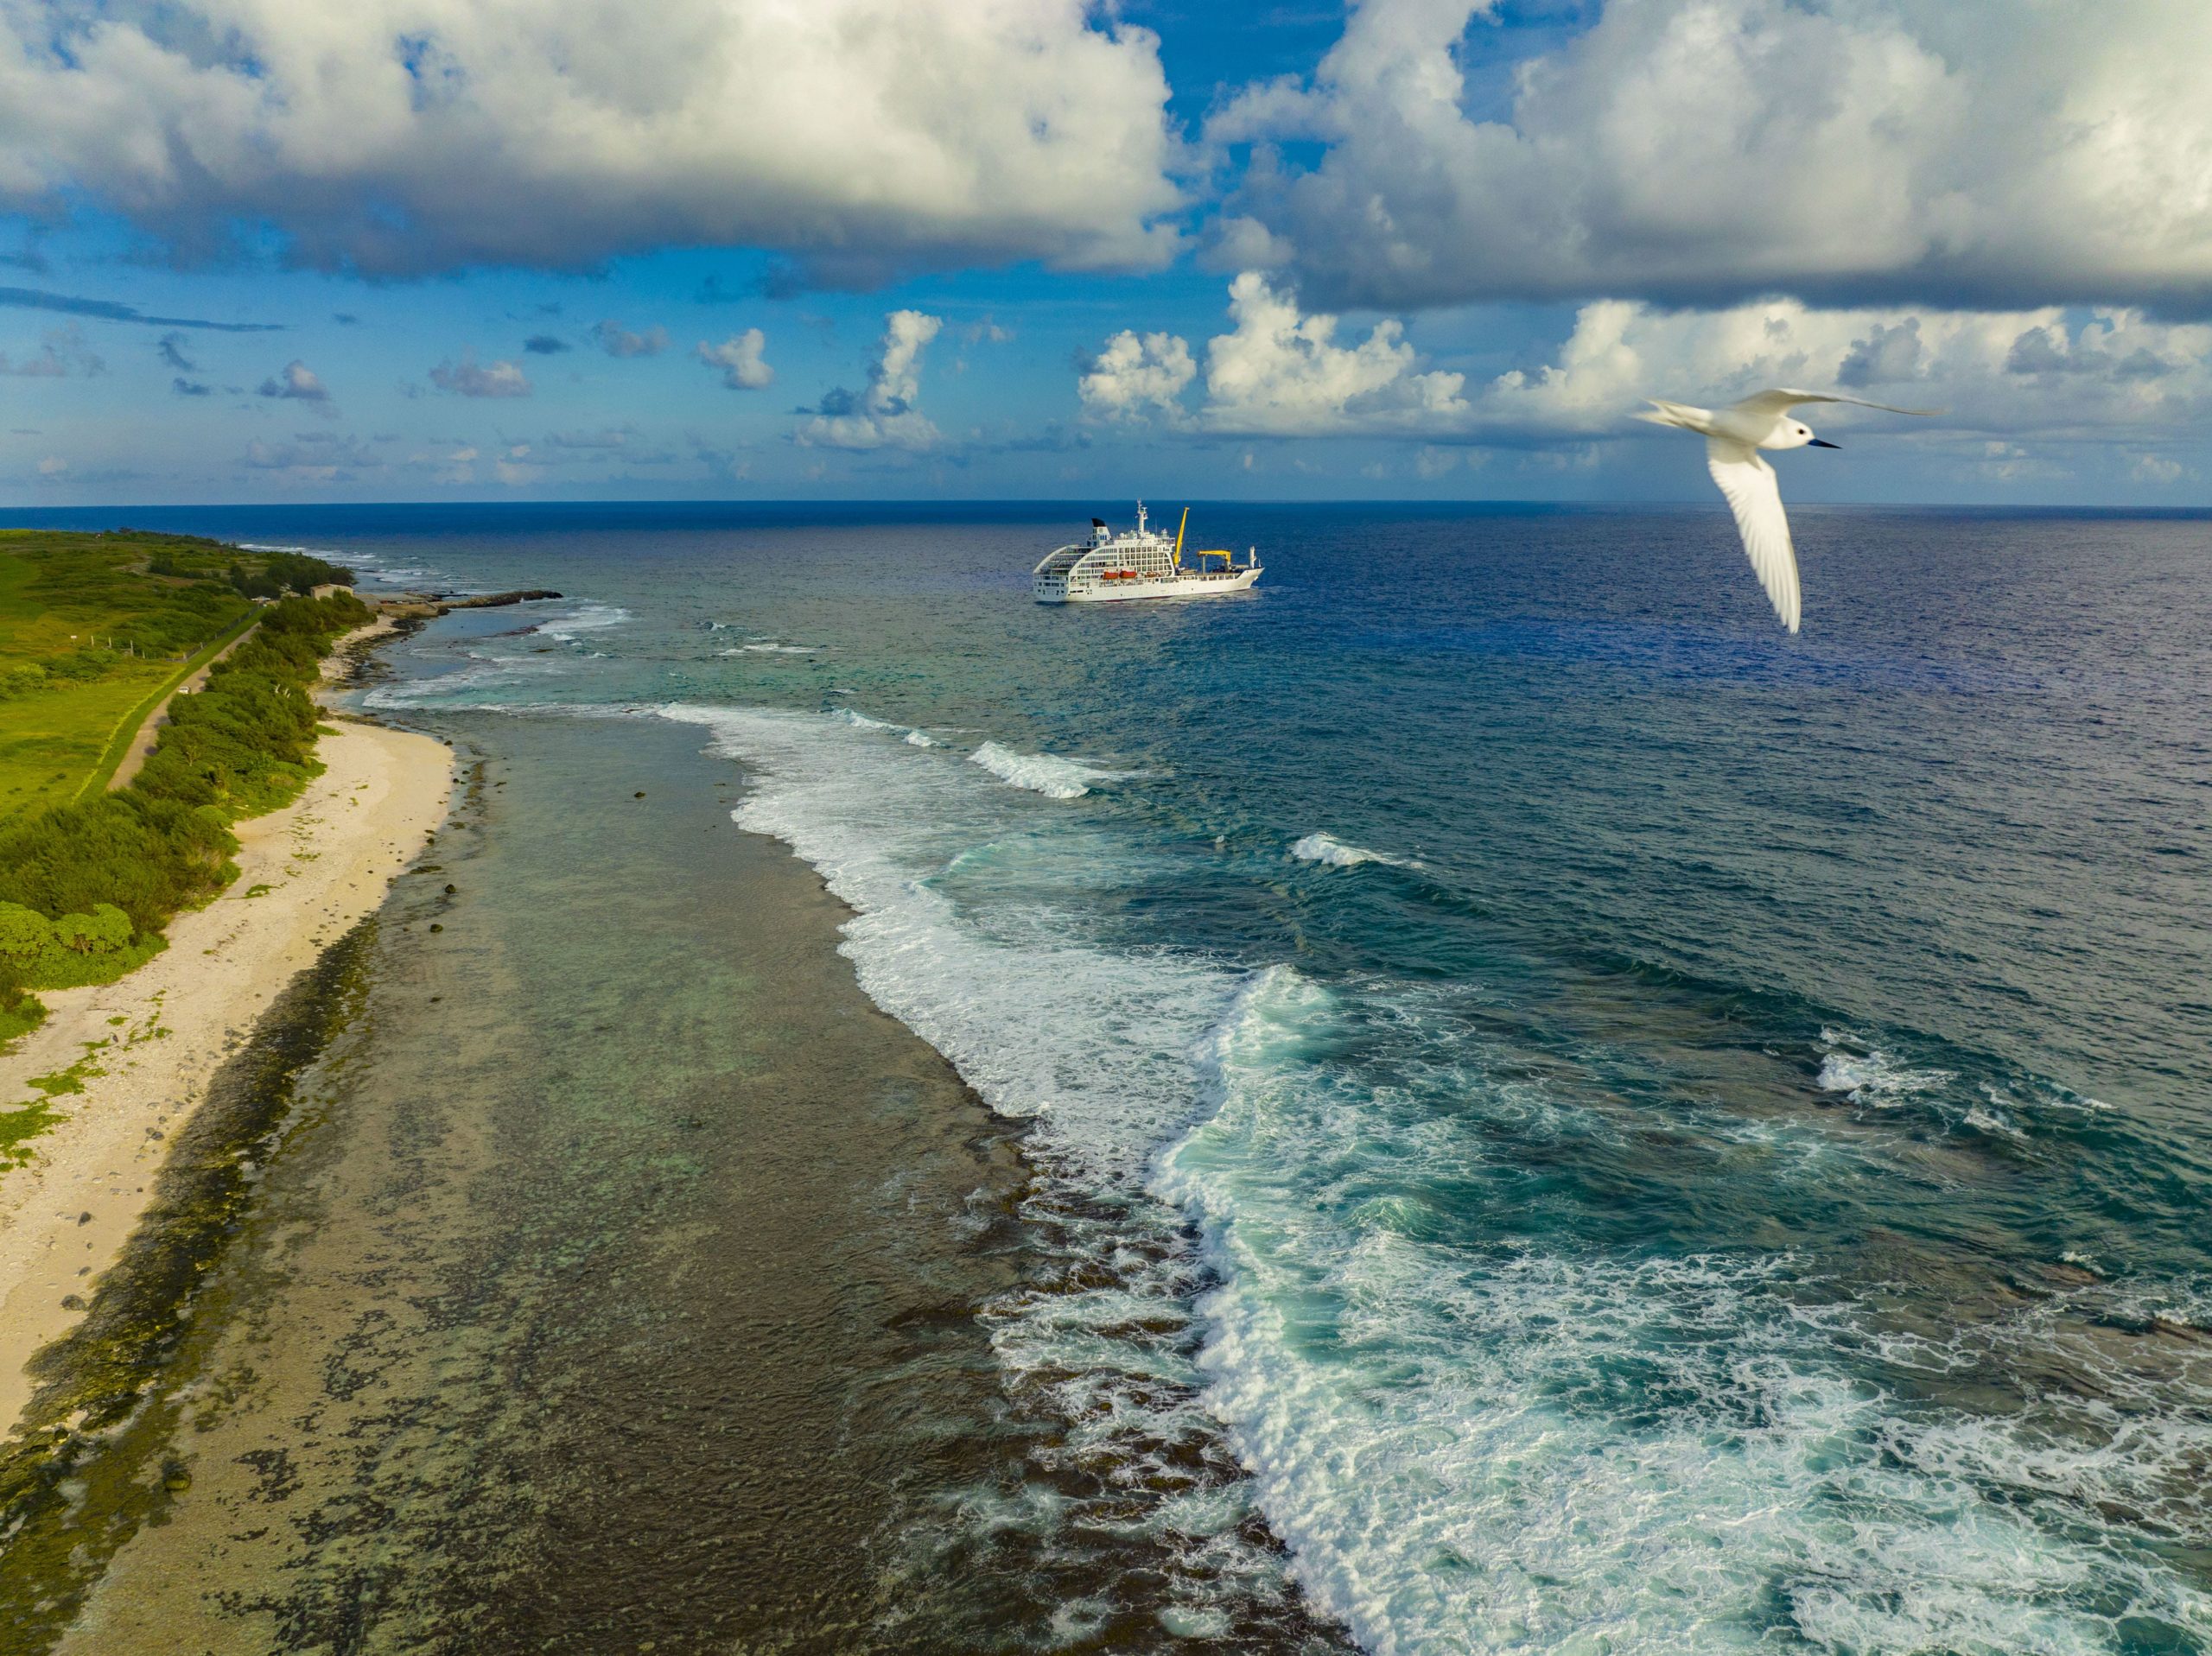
(591, 618)
(466, 687)
(1041, 773)
(860, 721)
(773, 650)
(1555, 1446)
(1868, 1075)
(1984, 1119)
(1548, 1443)
(876, 819)
(1091, 1045)
(1333, 853)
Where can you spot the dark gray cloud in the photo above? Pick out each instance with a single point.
(171, 351)
(108, 311)
(546, 345)
(619, 341)
(184, 387)
(62, 351)
(1890, 354)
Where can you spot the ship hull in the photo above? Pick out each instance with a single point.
(1122, 592)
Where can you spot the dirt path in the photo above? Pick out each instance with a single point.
(143, 744)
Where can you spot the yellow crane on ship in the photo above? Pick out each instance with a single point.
(1226, 558)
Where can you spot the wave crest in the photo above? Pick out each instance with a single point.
(1041, 773)
(1332, 853)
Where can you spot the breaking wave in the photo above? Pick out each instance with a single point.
(1041, 773)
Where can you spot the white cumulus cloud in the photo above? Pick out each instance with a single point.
(469, 377)
(884, 415)
(2110, 375)
(738, 358)
(298, 383)
(398, 137)
(1282, 373)
(1278, 372)
(1136, 376)
(1980, 153)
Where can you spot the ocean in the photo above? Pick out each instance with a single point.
(1528, 1110)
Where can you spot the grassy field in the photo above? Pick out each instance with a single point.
(94, 630)
(90, 639)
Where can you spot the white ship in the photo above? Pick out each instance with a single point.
(1141, 564)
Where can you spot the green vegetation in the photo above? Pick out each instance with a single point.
(25, 1122)
(95, 629)
(86, 887)
(250, 574)
(20, 1013)
(19, 1126)
(127, 724)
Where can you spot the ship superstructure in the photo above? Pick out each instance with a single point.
(1139, 563)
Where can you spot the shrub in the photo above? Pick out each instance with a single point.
(24, 932)
(103, 931)
(21, 679)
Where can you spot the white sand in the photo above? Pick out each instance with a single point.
(360, 823)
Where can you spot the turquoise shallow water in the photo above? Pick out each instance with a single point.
(1637, 1132)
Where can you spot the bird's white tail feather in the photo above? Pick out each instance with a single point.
(1683, 415)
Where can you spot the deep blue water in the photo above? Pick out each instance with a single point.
(1645, 1134)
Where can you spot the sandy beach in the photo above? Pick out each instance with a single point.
(307, 872)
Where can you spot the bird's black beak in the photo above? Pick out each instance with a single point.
(1822, 442)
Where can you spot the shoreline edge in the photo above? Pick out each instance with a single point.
(148, 1043)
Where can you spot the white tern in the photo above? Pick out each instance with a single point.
(1733, 437)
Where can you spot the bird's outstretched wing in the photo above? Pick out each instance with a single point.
(1756, 499)
(1772, 403)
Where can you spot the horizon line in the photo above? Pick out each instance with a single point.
(941, 502)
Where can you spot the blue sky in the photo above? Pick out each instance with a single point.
(729, 248)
